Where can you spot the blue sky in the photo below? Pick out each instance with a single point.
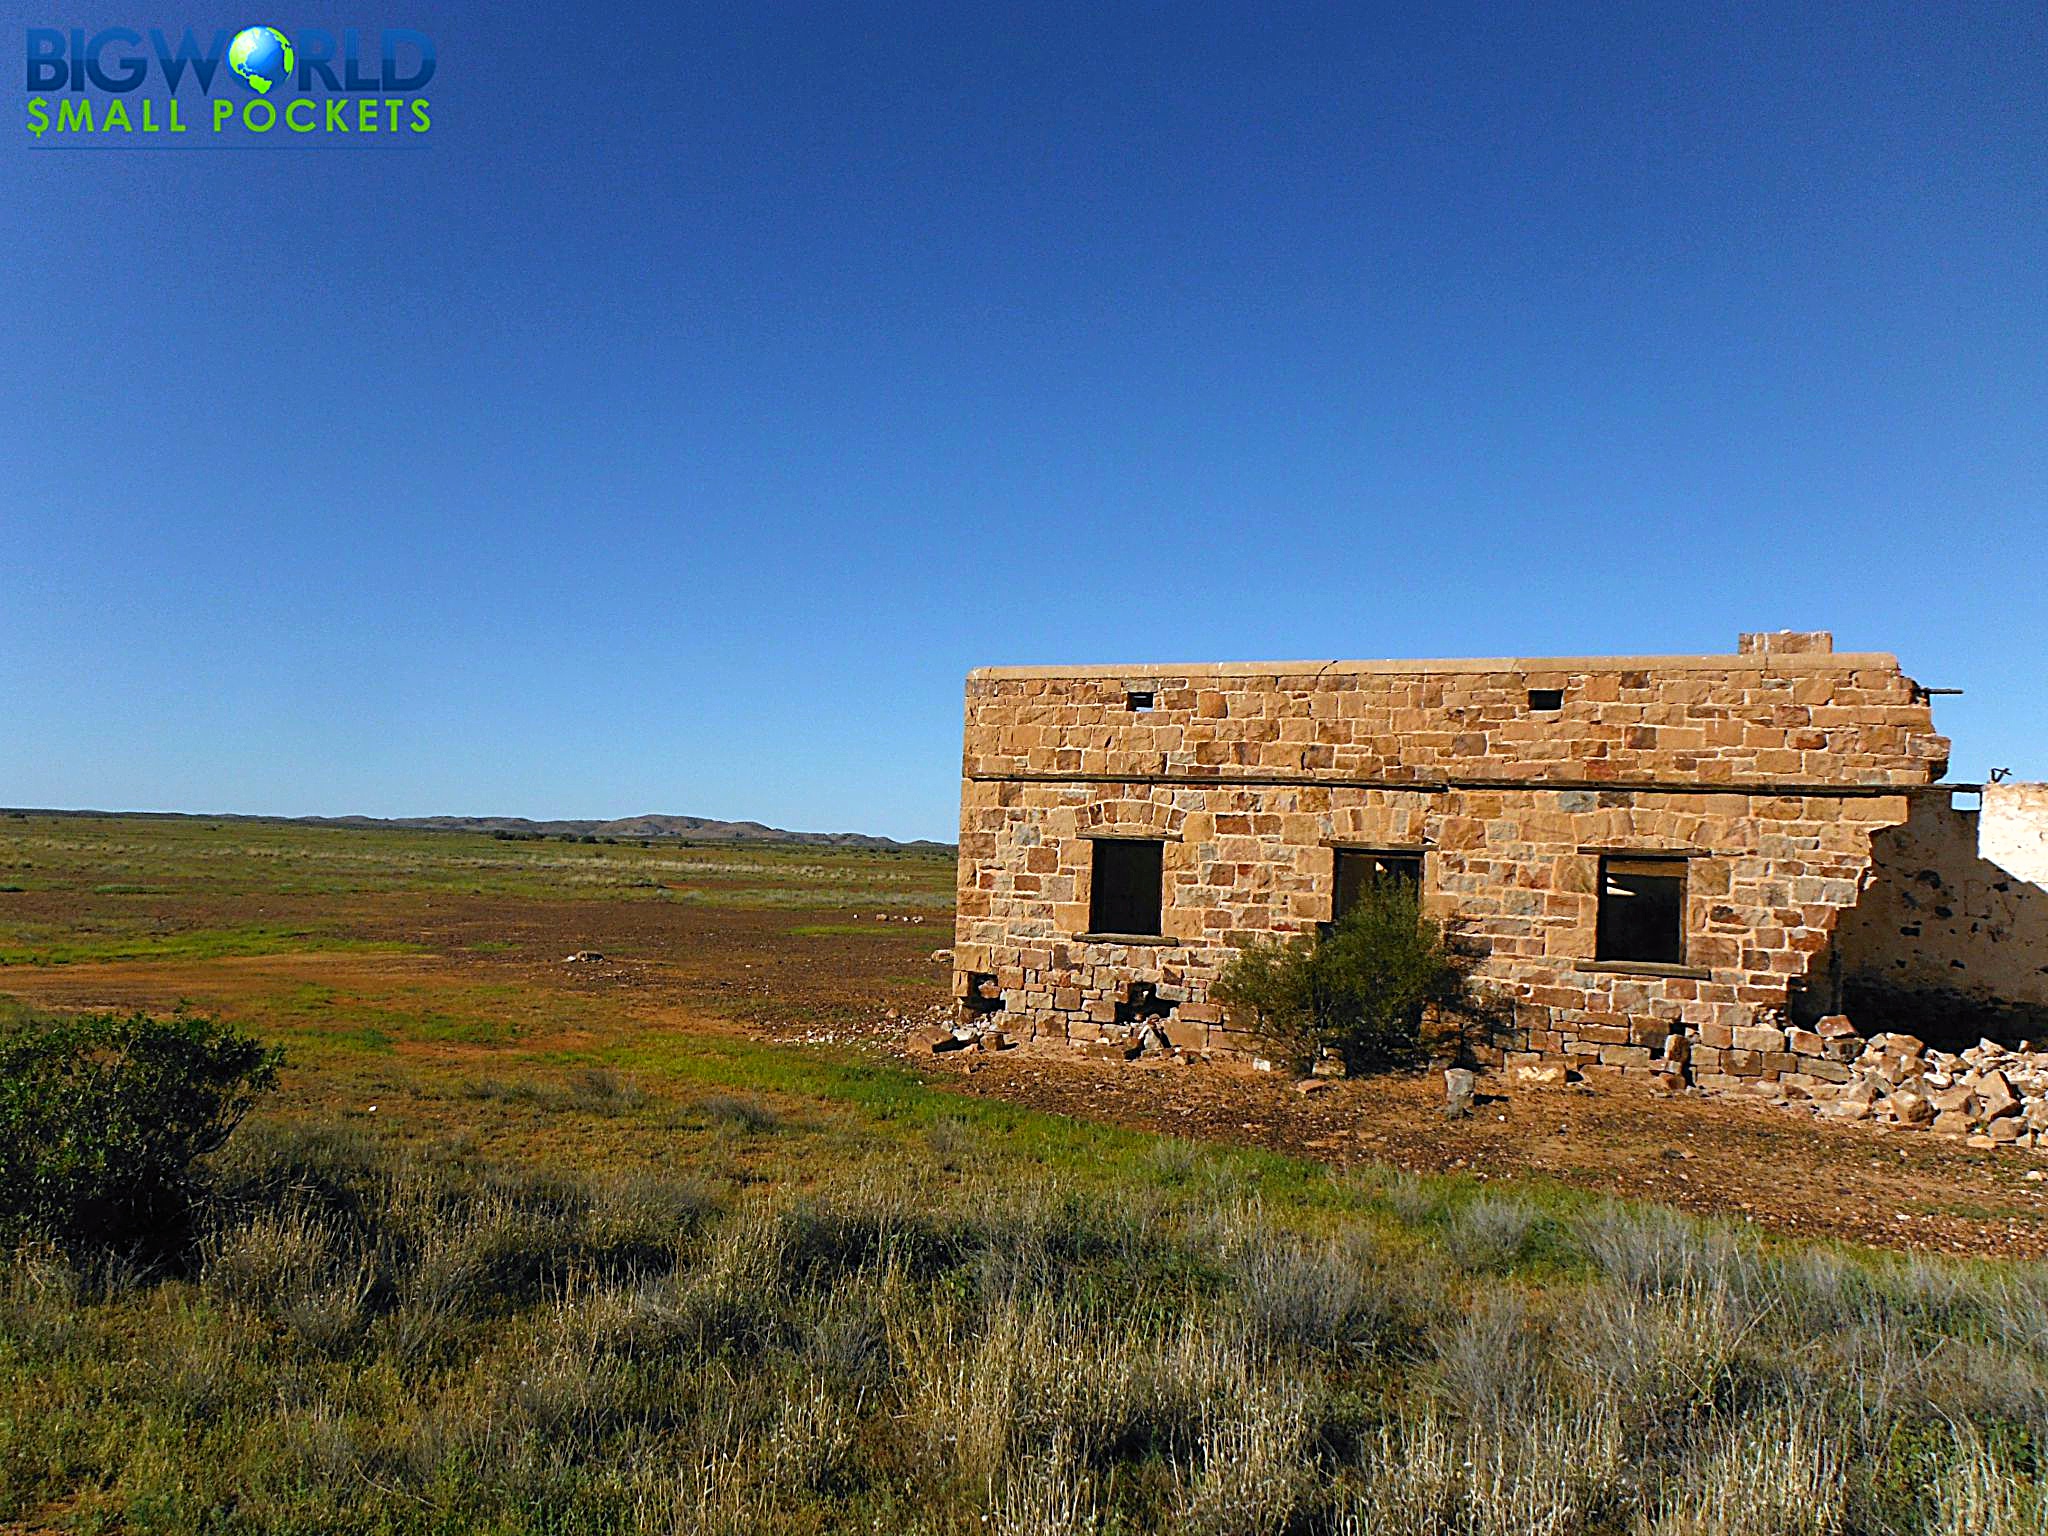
(674, 427)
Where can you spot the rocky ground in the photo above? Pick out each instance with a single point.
(1763, 1160)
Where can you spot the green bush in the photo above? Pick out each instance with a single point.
(103, 1119)
(1363, 987)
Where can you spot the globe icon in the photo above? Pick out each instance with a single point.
(262, 56)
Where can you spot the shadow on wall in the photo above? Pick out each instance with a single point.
(1946, 944)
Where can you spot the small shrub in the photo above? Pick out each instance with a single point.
(741, 1114)
(1491, 1235)
(1338, 1298)
(595, 1091)
(1361, 987)
(103, 1121)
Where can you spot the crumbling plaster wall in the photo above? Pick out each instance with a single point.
(1950, 940)
(2013, 830)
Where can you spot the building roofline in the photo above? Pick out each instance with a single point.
(1764, 661)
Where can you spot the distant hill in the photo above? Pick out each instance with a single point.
(683, 829)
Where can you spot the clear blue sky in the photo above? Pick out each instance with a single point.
(675, 428)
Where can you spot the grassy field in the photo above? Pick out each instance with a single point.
(522, 1245)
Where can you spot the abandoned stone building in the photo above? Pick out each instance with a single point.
(1720, 848)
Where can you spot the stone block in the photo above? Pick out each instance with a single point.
(1994, 1095)
(1950, 1099)
(1626, 1056)
(1910, 1108)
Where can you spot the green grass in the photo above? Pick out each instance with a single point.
(202, 944)
(925, 1336)
(194, 858)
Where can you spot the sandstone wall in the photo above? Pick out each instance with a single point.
(1772, 769)
(1722, 720)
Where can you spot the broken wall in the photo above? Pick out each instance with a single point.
(1950, 940)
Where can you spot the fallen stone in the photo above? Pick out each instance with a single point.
(936, 1038)
(1312, 1085)
(1910, 1108)
(1995, 1097)
(1460, 1083)
(1946, 1100)
(942, 957)
(1835, 1026)
(1953, 1122)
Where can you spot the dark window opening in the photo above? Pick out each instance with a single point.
(1138, 699)
(1642, 911)
(1124, 891)
(1359, 870)
(1546, 698)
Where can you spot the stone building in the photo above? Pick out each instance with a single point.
(1640, 847)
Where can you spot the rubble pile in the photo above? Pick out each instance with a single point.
(1989, 1095)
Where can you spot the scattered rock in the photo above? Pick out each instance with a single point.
(1460, 1083)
